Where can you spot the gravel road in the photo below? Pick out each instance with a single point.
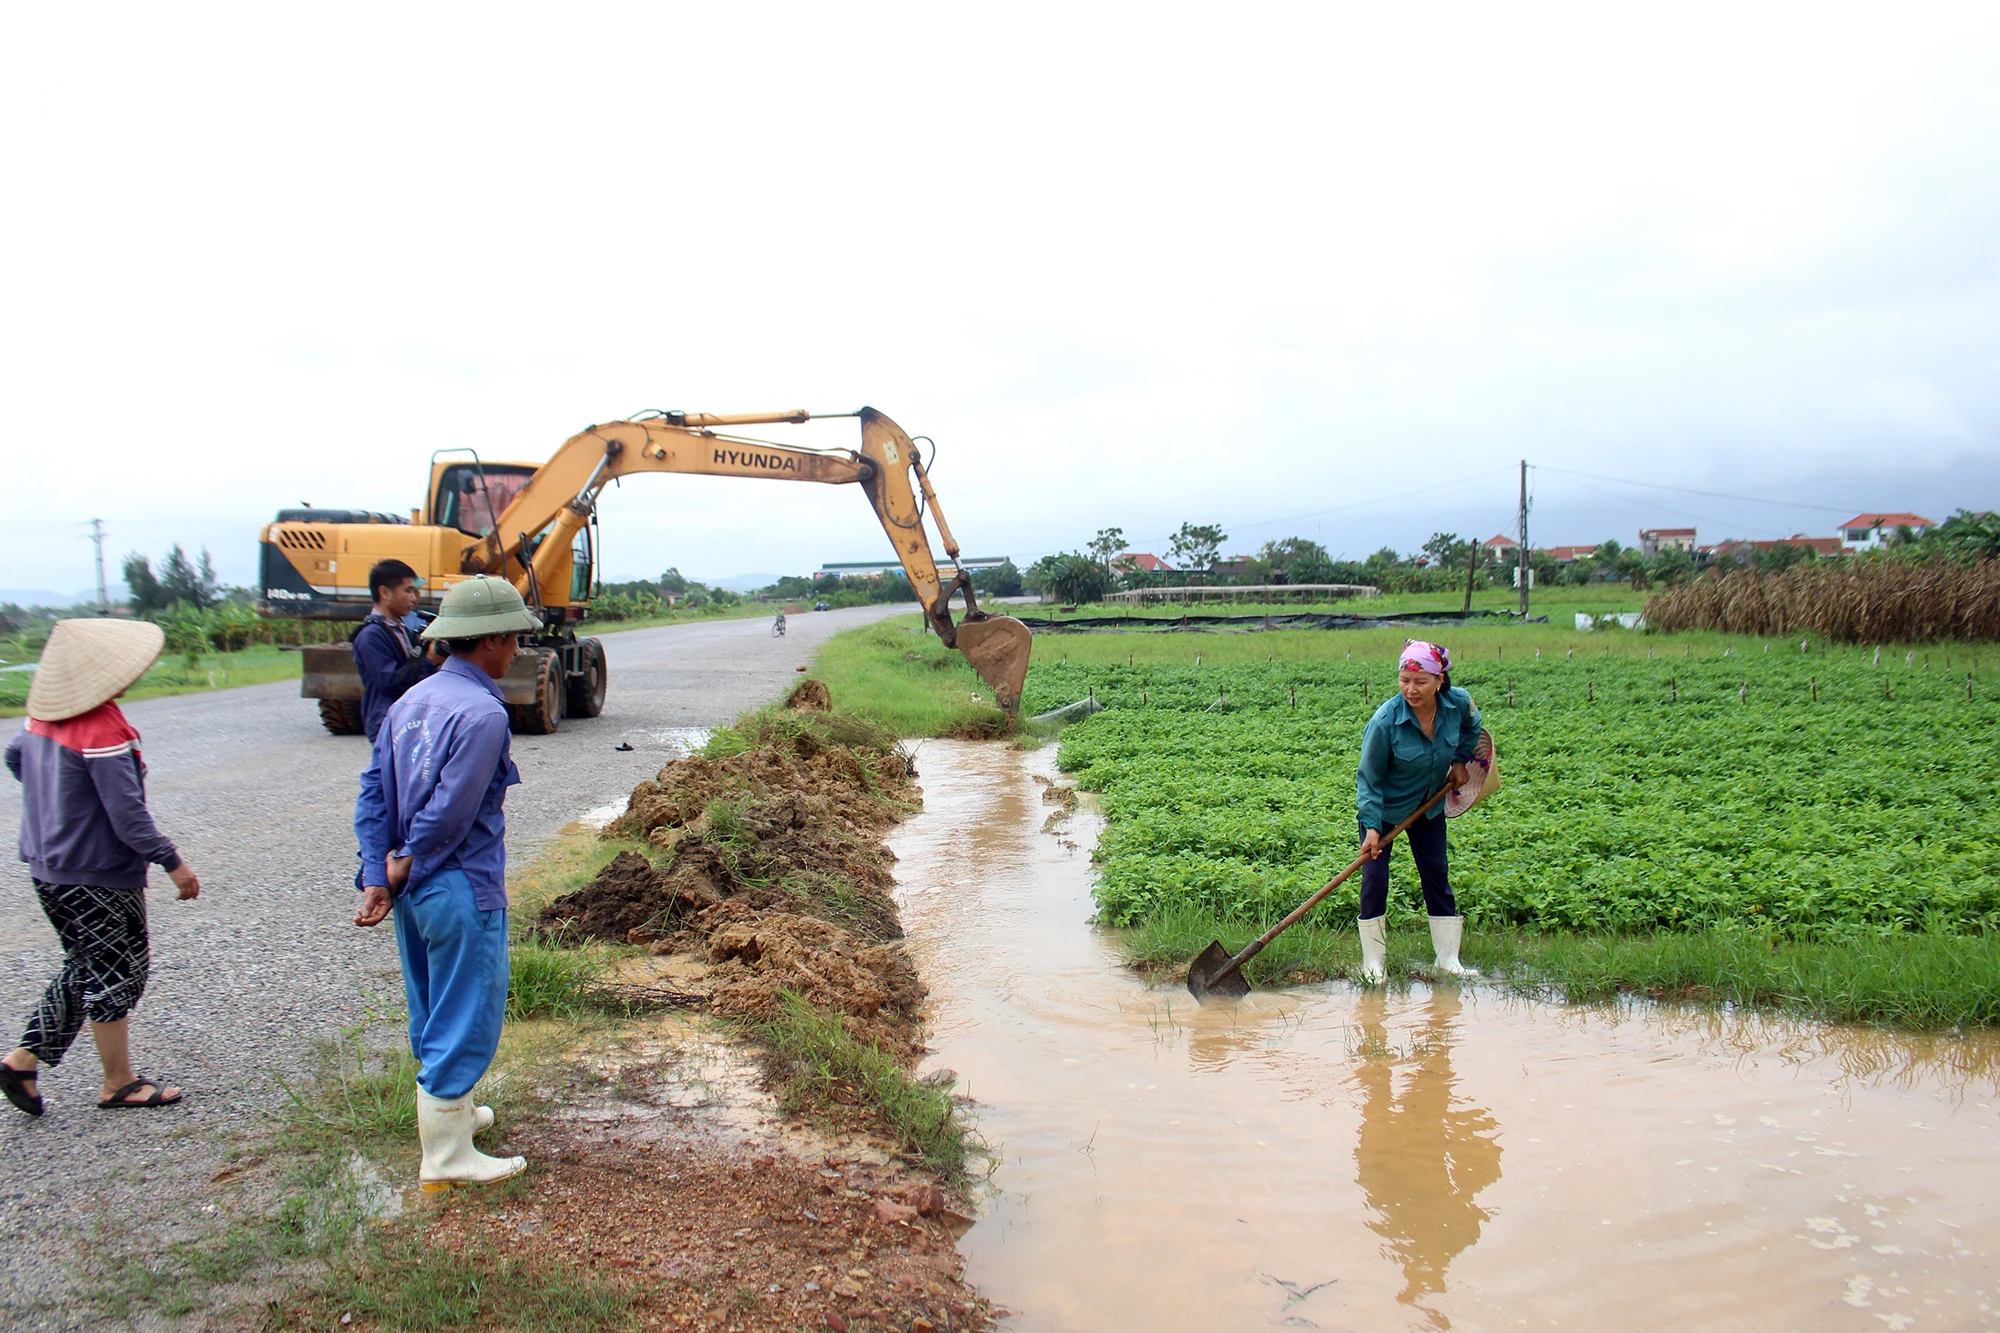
(260, 801)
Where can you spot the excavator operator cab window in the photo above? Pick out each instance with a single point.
(579, 579)
(472, 497)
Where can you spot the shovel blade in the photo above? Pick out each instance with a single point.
(998, 649)
(1210, 974)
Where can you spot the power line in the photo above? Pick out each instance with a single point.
(1689, 490)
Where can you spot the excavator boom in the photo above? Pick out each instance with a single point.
(314, 559)
(562, 497)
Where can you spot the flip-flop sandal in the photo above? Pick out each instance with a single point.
(116, 1101)
(14, 1082)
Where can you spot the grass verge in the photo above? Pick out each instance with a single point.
(1913, 982)
(897, 675)
(820, 1067)
(320, 1239)
(173, 674)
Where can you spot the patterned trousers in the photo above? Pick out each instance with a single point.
(106, 957)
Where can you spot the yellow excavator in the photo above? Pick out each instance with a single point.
(536, 525)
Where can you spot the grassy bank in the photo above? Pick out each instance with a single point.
(173, 674)
(261, 664)
(1917, 982)
(896, 674)
(321, 1224)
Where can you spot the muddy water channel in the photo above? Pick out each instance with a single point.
(1450, 1158)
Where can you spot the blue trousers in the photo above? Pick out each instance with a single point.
(455, 979)
(1426, 838)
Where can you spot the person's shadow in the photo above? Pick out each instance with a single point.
(1422, 1159)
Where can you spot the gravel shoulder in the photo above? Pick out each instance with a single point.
(247, 978)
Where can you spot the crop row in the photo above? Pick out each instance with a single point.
(1639, 794)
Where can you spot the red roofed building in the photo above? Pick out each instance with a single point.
(1652, 541)
(1864, 532)
(1139, 560)
(1500, 544)
(1568, 555)
(1823, 546)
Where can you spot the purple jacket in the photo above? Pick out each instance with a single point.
(386, 659)
(83, 802)
(433, 790)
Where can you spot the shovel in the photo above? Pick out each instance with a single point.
(1217, 972)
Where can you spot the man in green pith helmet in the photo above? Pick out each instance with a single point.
(433, 851)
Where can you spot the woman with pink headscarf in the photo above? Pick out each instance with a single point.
(1421, 738)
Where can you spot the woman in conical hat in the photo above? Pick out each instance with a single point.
(1420, 738)
(87, 838)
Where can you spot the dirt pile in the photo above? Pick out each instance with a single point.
(770, 867)
(629, 900)
(696, 1237)
(810, 696)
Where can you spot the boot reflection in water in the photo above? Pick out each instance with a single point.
(1421, 1159)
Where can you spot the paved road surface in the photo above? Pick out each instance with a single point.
(260, 801)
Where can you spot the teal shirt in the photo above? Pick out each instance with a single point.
(1400, 765)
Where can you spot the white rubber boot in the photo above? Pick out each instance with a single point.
(450, 1160)
(1446, 932)
(1374, 950)
(482, 1119)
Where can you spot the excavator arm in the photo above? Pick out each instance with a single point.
(531, 541)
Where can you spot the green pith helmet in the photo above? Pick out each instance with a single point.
(481, 606)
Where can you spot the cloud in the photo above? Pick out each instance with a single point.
(1127, 266)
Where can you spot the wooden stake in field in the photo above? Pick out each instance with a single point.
(1510, 698)
(1590, 691)
(1815, 689)
(1743, 693)
(1674, 685)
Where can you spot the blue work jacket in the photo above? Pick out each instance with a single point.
(382, 653)
(1400, 766)
(433, 790)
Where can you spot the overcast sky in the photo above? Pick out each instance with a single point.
(1273, 267)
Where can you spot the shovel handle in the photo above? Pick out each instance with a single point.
(1256, 946)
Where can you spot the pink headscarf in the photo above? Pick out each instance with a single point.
(1426, 657)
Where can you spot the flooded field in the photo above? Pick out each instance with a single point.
(1451, 1158)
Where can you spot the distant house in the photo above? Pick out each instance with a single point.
(1232, 567)
(1567, 555)
(1652, 541)
(1824, 546)
(1864, 532)
(1139, 560)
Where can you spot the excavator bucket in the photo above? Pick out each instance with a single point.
(998, 649)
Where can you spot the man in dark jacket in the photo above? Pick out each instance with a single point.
(389, 662)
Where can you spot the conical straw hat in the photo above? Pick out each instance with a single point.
(88, 662)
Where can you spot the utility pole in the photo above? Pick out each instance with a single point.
(1524, 572)
(97, 536)
(1471, 573)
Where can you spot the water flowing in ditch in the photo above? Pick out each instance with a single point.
(1421, 1158)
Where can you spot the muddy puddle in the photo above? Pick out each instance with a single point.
(1449, 1158)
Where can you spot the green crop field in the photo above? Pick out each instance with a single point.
(1816, 796)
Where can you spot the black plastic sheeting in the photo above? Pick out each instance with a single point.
(1300, 620)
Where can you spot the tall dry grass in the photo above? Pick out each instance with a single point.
(1872, 601)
